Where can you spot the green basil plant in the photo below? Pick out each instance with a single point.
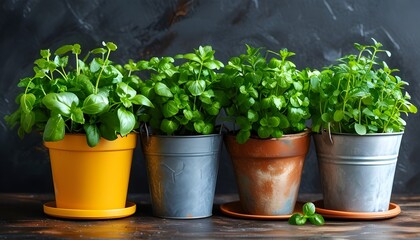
(93, 96)
(182, 89)
(268, 97)
(360, 94)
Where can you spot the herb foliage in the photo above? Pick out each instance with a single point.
(359, 94)
(308, 210)
(94, 96)
(267, 97)
(182, 88)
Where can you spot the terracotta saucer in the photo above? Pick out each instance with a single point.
(393, 211)
(234, 209)
(51, 209)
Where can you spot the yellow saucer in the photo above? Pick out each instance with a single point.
(52, 210)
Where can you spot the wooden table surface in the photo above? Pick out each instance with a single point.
(22, 217)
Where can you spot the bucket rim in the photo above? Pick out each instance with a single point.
(357, 135)
(184, 136)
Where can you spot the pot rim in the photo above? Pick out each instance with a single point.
(182, 136)
(305, 132)
(357, 135)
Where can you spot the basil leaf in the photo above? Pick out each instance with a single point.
(76, 115)
(243, 136)
(168, 126)
(196, 87)
(360, 129)
(124, 90)
(127, 121)
(141, 100)
(162, 90)
(297, 219)
(317, 219)
(308, 209)
(27, 120)
(95, 104)
(54, 129)
(63, 49)
(109, 125)
(170, 109)
(60, 102)
(92, 134)
(27, 102)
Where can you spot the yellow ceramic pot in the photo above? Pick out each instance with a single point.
(87, 178)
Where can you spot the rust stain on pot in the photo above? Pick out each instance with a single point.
(269, 172)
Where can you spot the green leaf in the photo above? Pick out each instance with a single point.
(273, 121)
(92, 134)
(95, 65)
(284, 122)
(188, 114)
(84, 83)
(360, 129)
(63, 50)
(243, 136)
(168, 126)
(95, 104)
(170, 109)
(45, 53)
(213, 64)
(61, 102)
(141, 100)
(308, 209)
(326, 117)
(162, 90)
(76, 49)
(54, 129)
(213, 109)
(27, 120)
(196, 87)
(278, 102)
(264, 132)
(109, 126)
(338, 115)
(297, 219)
(243, 123)
(317, 219)
(199, 126)
(76, 115)
(252, 115)
(192, 57)
(61, 62)
(127, 121)
(124, 90)
(111, 46)
(27, 102)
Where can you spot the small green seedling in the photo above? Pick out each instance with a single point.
(308, 213)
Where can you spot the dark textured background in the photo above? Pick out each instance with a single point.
(319, 31)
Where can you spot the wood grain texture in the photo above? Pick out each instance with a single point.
(21, 217)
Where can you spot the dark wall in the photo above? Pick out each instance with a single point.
(319, 31)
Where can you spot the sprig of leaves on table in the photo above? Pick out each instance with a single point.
(268, 97)
(308, 210)
(359, 94)
(89, 97)
(182, 90)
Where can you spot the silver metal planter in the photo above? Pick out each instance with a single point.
(182, 172)
(357, 172)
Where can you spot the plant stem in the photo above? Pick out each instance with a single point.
(102, 69)
(77, 64)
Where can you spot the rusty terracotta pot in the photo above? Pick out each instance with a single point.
(268, 172)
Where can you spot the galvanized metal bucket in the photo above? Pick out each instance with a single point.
(182, 172)
(357, 171)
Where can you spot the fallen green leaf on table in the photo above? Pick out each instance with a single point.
(308, 210)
